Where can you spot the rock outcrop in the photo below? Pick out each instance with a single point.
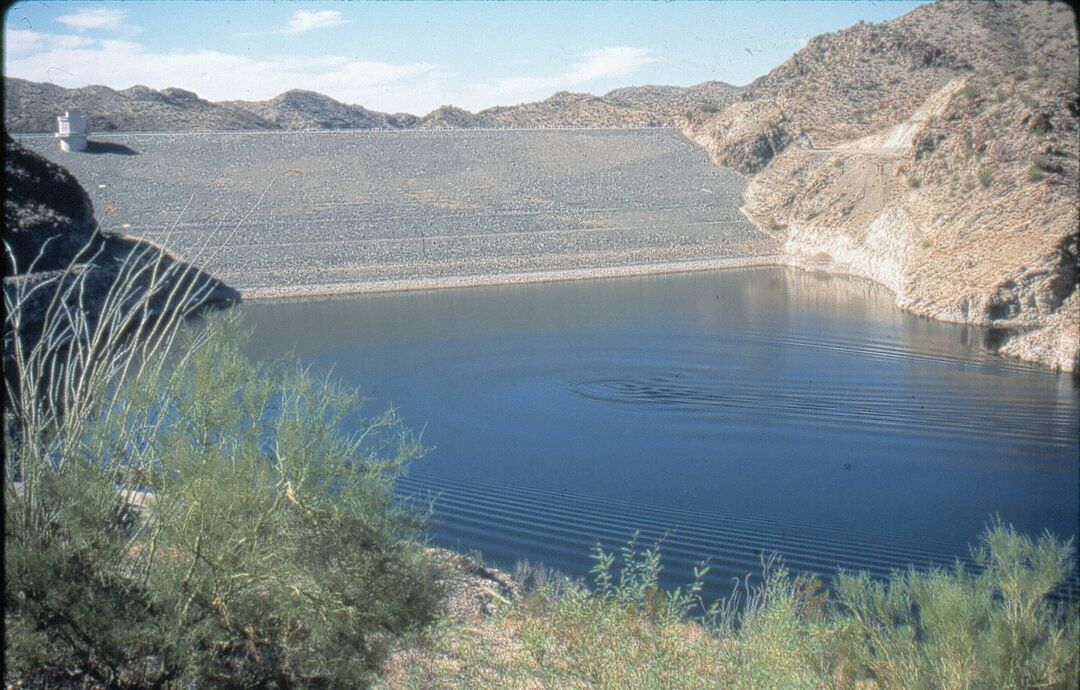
(936, 154)
(58, 263)
(48, 216)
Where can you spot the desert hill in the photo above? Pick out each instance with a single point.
(33, 107)
(299, 109)
(852, 82)
(936, 154)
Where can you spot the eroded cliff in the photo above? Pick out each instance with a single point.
(950, 178)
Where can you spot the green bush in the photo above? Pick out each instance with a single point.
(625, 633)
(267, 546)
(989, 628)
(986, 178)
(774, 225)
(957, 629)
(914, 181)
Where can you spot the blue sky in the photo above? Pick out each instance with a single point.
(414, 56)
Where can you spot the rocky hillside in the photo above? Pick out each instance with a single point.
(936, 154)
(33, 107)
(639, 106)
(567, 109)
(669, 102)
(298, 109)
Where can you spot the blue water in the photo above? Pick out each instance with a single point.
(733, 414)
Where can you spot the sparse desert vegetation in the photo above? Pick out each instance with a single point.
(992, 628)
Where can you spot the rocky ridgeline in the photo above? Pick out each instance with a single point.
(936, 154)
(309, 110)
(32, 107)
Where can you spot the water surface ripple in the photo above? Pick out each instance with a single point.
(729, 415)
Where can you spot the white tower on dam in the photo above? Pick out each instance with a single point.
(71, 131)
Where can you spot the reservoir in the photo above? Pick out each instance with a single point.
(728, 414)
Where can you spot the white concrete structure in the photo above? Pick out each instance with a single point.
(71, 131)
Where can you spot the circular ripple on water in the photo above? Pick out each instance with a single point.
(930, 413)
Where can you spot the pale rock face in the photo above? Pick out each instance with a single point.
(950, 178)
(1056, 344)
(1005, 258)
(879, 254)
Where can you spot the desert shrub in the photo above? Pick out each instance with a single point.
(626, 632)
(997, 628)
(914, 181)
(986, 178)
(1044, 165)
(265, 546)
(993, 627)
(780, 641)
(1035, 173)
(710, 108)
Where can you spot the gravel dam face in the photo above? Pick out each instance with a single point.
(280, 213)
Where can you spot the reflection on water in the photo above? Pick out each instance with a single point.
(730, 413)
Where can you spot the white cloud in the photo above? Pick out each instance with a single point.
(608, 62)
(592, 65)
(93, 18)
(74, 61)
(22, 41)
(306, 21)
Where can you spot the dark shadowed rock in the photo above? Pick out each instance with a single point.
(48, 217)
(54, 248)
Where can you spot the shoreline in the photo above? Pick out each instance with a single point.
(371, 287)
(475, 280)
(302, 292)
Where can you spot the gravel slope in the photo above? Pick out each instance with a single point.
(275, 213)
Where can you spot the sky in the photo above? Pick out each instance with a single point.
(414, 56)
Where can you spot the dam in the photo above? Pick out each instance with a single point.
(293, 213)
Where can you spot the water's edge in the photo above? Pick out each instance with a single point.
(307, 292)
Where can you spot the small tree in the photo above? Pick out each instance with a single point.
(176, 514)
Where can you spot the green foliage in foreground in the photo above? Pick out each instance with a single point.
(271, 553)
(940, 630)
